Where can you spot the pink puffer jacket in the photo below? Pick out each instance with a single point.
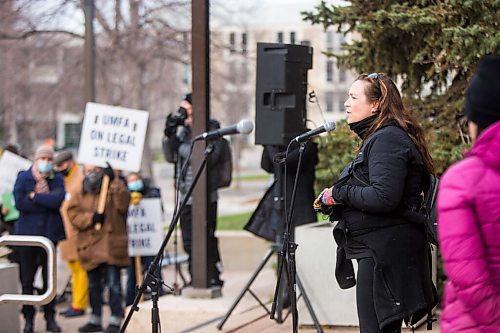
(469, 235)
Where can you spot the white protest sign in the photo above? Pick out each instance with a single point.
(145, 228)
(113, 134)
(10, 165)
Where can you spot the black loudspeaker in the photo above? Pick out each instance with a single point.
(281, 90)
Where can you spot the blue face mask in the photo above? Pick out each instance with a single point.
(44, 166)
(136, 186)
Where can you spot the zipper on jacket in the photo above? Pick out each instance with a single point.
(360, 180)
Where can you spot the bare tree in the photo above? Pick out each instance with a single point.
(143, 60)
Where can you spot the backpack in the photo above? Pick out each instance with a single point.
(225, 165)
(429, 209)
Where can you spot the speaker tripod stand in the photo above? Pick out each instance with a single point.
(247, 288)
(285, 251)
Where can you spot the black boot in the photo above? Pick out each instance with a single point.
(52, 325)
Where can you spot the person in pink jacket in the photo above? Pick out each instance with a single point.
(469, 214)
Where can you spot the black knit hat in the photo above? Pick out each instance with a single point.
(481, 101)
(187, 98)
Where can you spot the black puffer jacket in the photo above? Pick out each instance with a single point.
(382, 183)
(385, 179)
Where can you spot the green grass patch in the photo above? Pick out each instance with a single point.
(233, 222)
(263, 176)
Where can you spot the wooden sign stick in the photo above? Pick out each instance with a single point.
(101, 204)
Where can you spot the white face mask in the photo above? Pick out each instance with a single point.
(44, 166)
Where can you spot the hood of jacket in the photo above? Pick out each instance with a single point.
(487, 146)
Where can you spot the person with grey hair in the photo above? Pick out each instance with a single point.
(38, 193)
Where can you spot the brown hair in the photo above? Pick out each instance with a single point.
(381, 88)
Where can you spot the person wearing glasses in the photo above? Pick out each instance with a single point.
(469, 214)
(375, 201)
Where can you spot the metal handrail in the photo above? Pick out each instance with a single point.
(48, 246)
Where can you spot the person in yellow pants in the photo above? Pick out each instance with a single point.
(73, 178)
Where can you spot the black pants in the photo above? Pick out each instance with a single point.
(30, 258)
(213, 256)
(368, 322)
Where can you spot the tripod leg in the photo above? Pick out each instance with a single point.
(308, 305)
(246, 288)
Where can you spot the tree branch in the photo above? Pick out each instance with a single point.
(27, 34)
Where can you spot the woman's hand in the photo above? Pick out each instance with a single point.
(327, 198)
(324, 200)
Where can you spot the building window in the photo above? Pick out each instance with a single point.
(280, 37)
(341, 105)
(342, 40)
(342, 74)
(329, 41)
(232, 42)
(329, 71)
(244, 43)
(340, 99)
(72, 133)
(292, 37)
(186, 74)
(329, 99)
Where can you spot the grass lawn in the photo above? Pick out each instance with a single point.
(233, 222)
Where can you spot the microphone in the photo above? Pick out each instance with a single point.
(244, 126)
(327, 127)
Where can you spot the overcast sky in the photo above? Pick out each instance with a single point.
(261, 12)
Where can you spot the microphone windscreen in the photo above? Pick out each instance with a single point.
(330, 126)
(245, 126)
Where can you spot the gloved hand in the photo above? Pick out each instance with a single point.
(324, 202)
(97, 218)
(108, 171)
(170, 126)
(135, 198)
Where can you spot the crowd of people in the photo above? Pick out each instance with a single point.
(374, 201)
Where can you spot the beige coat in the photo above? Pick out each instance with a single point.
(73, 183)
(109, 244)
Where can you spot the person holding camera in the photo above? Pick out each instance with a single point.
(102, 242)
(176, 148)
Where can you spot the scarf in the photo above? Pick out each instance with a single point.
(362, 126)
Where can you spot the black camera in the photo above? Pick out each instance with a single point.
(177, 118)
(174, 120)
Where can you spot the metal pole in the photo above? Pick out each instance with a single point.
(89, 51)
(201, 111)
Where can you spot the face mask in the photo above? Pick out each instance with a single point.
(136, 186)
(44, 166)
(64, 172)
(92, 183)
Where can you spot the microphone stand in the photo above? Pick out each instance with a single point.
(287, 258)
(152, 281)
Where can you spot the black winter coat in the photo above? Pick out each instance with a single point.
(384, 181)
(176, 149)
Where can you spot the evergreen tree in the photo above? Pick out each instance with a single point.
(430, 47)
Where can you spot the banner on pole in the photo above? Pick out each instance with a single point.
(145, 228)
(113, 134)
(10, 165)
